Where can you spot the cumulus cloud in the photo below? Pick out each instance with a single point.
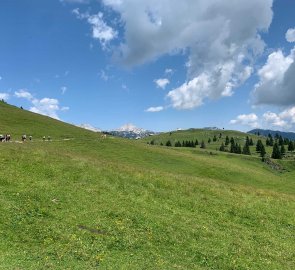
(220, 41)
(162, 82)
(4, 96)
(272, 119)
(276, 80)
(23, 93)
(100, 30)
(155, 109)
(284, 120)
(290, 35)
(246, 119)
(46, 106)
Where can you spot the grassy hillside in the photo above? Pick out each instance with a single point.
(17, 122)
(205, 135)
(95, 203)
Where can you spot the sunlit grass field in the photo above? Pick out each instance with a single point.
(95, 203)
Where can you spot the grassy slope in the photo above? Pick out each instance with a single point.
(202, 134)
(119, 204)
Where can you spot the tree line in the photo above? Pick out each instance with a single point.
(231, 145)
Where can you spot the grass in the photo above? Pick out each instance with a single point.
(94, 203)
(204, 135)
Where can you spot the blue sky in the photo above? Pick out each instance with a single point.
(159, 64)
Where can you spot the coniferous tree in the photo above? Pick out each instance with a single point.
(178, 144)
(238, 149)
(232, 140)
(168, 143)
(262, 151)
(220, 135)
(196, 142)
(209, 140)
(161, 144)
(246, 149)
(203, 145)
(214, 138)
(281, 141)
(183, 144)
(259, 146)
(283, 150)
(277, 136)
(271, 142)
(227, 140)
(276, 153)
(222, 147)
(152, 142)
(232, 147)
(291, 146)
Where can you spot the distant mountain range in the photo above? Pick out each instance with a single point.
(265, 132)
(130, 131)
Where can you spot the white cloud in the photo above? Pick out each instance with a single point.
(272, 119)
(0, 78)
(103, 75)
(290, 35)
(45, 106)
(162, 82)
(246, 119)
(169, 71)
(276, 80)
(155, 109)
(63, 89)
(289, 115)
(4, 96)
(23, 93)
(100, 30)
(89, 127)
(284, 120)
(220, 41)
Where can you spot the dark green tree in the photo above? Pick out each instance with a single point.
(222, 147)
(238, 149)
(276, 153)
(203, 145)
(196, 142)
(262, 151)
(281, 141)
(214, 138)
(246, 148)
(251, 143)
(227, 140)
(271, 142)
(283, 150)
(209, 140)
(291, 146)
(168, 143)
(258, 145)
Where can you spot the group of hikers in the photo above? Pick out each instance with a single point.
(7, 138)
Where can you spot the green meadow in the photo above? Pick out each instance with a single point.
(81, 201)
